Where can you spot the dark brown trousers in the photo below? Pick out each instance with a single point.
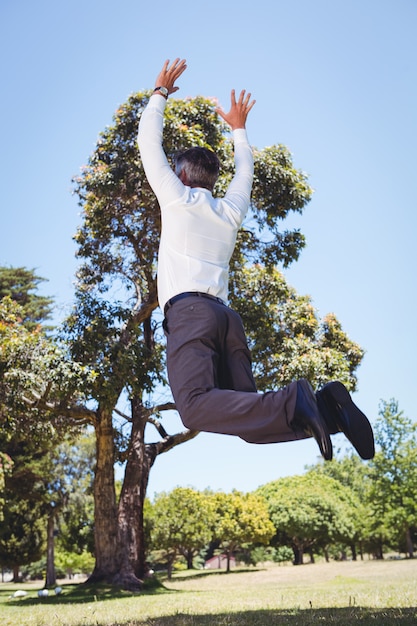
(209, 369)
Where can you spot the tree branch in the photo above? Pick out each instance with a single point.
(167, 406)
(171, 441)
(126, 417)
(161, 430)
(75, 411)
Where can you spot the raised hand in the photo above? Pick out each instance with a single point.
(170, 74)
(239, 110)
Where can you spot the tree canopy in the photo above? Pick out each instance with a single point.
(393, 474)
(310, 510)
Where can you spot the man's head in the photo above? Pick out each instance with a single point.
(198, 167)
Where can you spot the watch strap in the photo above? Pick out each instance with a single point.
(162, 90)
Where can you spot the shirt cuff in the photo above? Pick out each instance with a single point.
(240, 135)
(157, 101)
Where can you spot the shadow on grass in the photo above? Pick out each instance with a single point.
(178, 578)
(310, 617)
(85, 593)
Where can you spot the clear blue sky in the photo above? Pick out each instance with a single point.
(335, 81)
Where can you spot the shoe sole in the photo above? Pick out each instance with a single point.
(355, 425)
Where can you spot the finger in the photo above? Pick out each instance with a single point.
(174, 63)
(179, 67)
(251, 105)
(233, 98)
(247, 99)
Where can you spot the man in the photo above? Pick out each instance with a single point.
(209, 364)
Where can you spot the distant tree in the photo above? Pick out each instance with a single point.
(76, 522)
(241, 520)
(67, 478)
(310, 511)
(353, 473)
(21, 285)
(393, 474)
(22, 532)
(73, 563)
(181, 524)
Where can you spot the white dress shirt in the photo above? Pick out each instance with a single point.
(198, 231)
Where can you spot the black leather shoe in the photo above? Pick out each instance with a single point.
(342, 415)
(308, 419)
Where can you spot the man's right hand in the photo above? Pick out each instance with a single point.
(236, 118)
(168, 75)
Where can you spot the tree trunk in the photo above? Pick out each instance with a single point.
(228, 561)
(170, 564)
(119, 531)
(130, 514)
(16, 574)
(380, 550)
(50, 580)
(409, 543)
(353, 550)
(105, 511)
(189, 558)
(298, 555)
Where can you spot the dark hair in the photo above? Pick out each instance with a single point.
(200, 165)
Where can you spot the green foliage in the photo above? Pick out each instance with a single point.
(73, 562)
(19, 283)
(393, 474)
(36, 376)
(286, 338)
(309, 511)
(76, 521)
(22, 533)
(181, 523)
(241, 519)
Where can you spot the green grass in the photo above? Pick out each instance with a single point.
(368, 593)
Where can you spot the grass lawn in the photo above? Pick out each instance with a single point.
(367, 593)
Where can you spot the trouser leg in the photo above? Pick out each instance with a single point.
(197, 332)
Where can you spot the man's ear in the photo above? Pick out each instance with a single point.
(183, 177)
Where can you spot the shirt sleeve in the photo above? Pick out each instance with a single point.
(164, 182)
(239, 191)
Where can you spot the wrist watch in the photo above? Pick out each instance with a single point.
(162, 90)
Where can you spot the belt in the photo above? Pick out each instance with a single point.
(187, 294)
